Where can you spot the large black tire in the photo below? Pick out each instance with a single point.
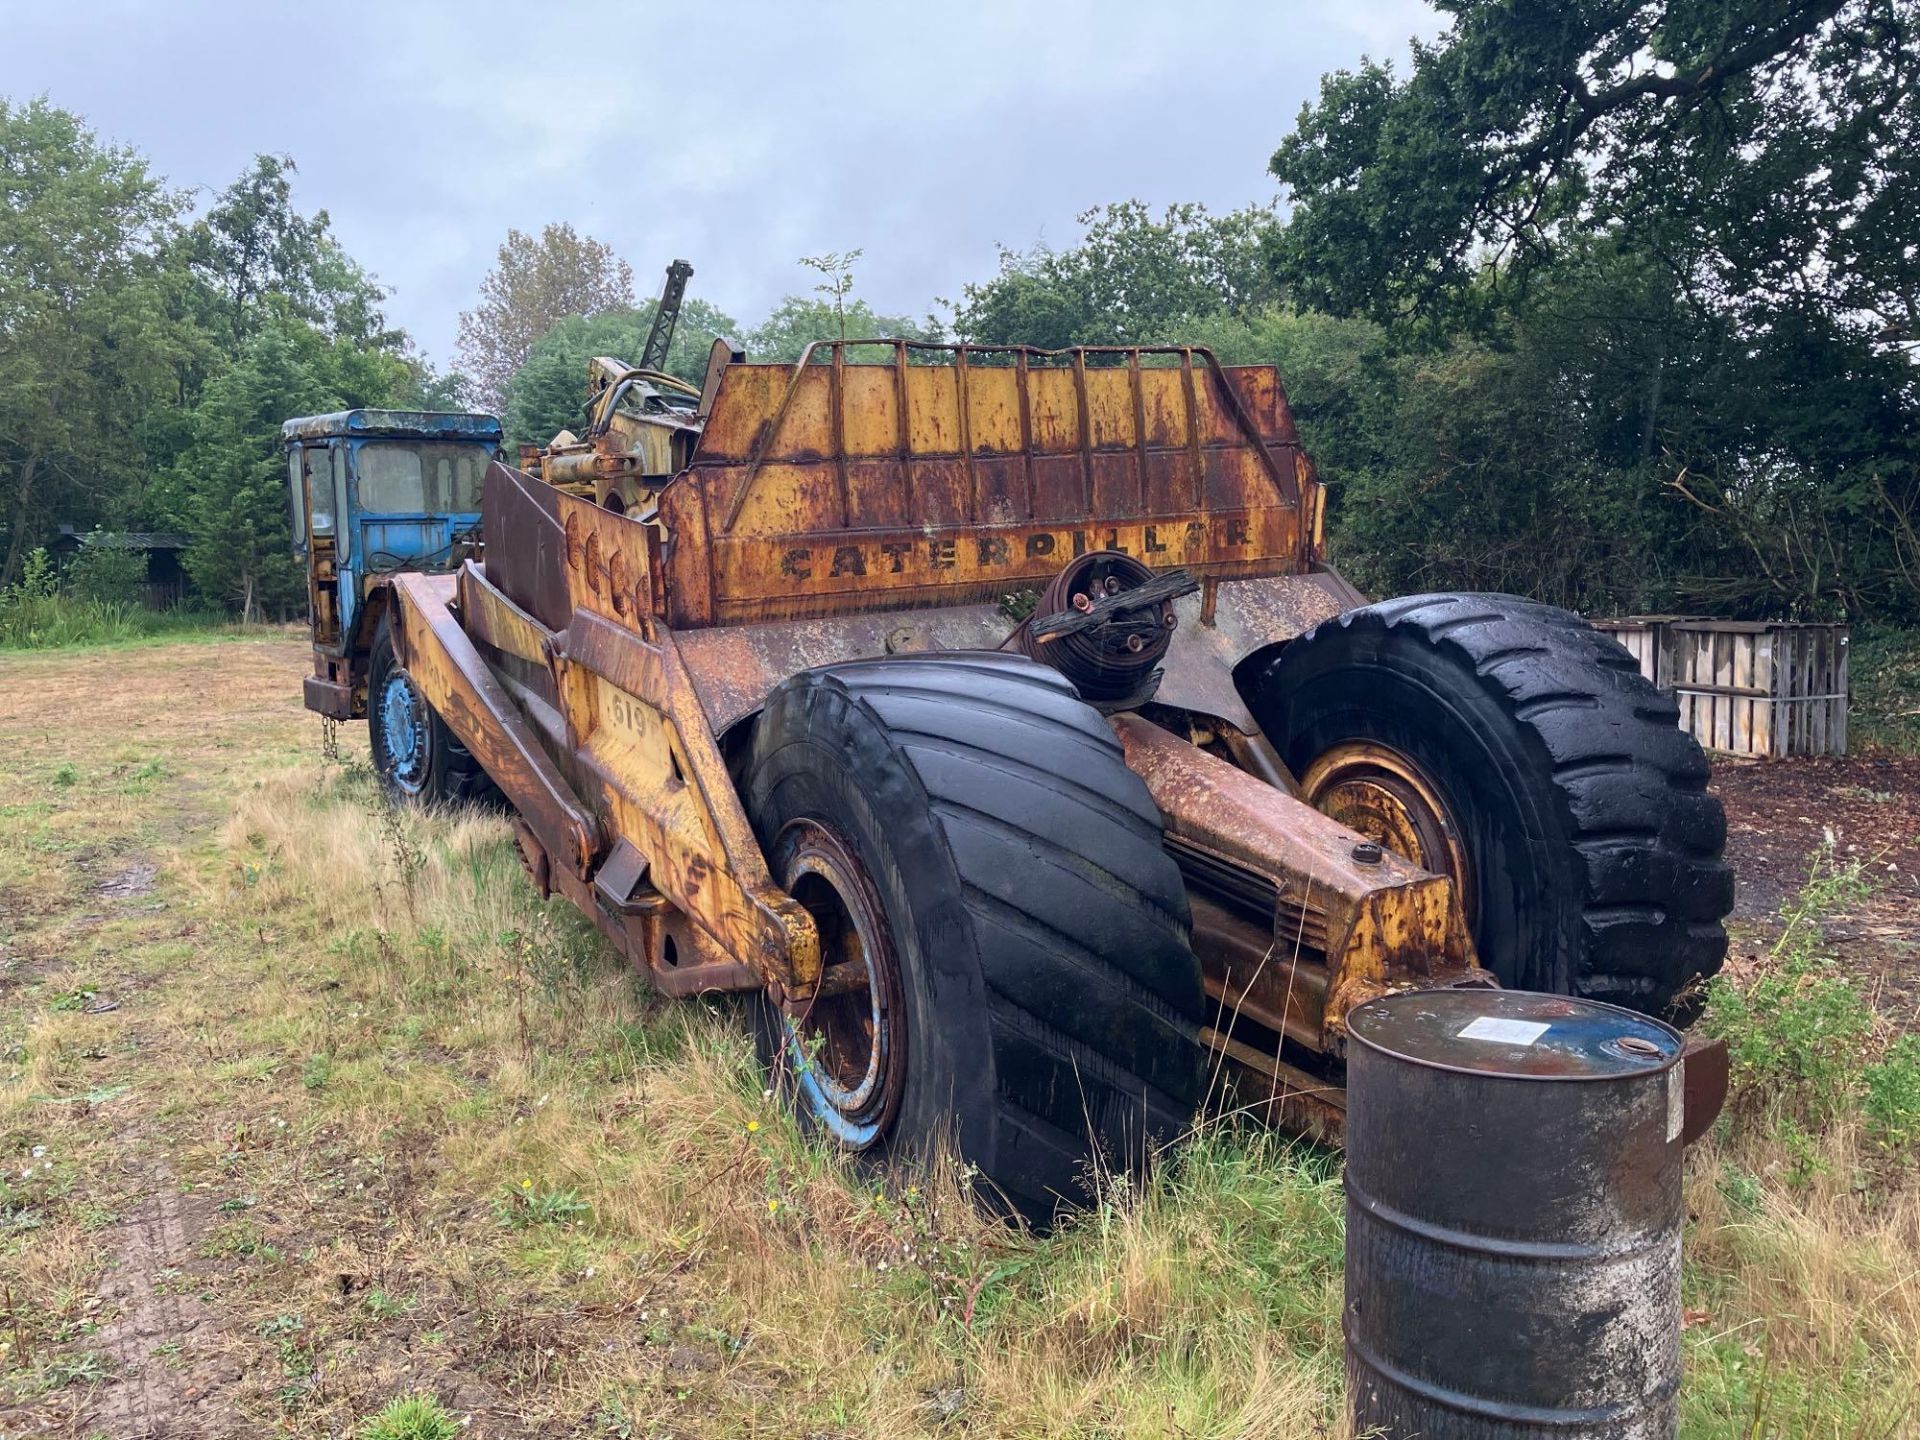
(1047, 988)
(418, 759)
(1594, 849)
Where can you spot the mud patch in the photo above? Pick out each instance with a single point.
(167, 1355)
(131, 883)
(1868, 807)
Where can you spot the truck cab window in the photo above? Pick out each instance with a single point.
(313, 460)
(344, 538)
(297, 491)
(392, 481)
(420, 479)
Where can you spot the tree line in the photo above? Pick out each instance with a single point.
(1608, 304)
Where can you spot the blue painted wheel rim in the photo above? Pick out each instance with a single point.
(406, 734)
(845, 1053)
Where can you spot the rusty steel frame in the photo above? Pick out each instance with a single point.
(832, 487)
(628, 756)
(624, 457)
(1339, 922)
(834, 511)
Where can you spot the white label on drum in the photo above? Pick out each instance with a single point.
(1676, 1101)
(1504, 1032)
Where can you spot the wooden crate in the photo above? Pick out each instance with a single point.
(1640, 634)
(1763, 688)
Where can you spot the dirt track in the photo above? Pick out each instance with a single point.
(1779, 813)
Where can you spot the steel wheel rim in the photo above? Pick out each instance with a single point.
(1387, 797)
(405, 732)
(846, 1052)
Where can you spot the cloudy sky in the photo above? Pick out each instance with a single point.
(739, 136)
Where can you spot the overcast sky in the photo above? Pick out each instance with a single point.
(737, 136)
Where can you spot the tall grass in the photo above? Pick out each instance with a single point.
(89, 606)
(55, 622)
(1804, 1245)
(1204, 1302)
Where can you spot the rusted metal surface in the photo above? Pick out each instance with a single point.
(734, 667)
(1105, 622)
(1249, 977)
(1388, 797)
(329, 697)
(534, 856)
(1261, 1085)
(456, 681)
(526, 547)
(1513, 1218)
(838, 487)
(642, 426)
(625, 736)
(837, 511)
(1338, 929)
(630, 710)
(679, 959)
(798, 516)
(492, 619)
(642, 423)
(1247, 616)
(1705, 1066)
(661, 782)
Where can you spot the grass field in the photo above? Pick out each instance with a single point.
(315, 1123)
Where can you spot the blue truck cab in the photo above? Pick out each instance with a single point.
(374, 492)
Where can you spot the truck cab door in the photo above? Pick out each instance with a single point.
(347, 590)
(317, 477)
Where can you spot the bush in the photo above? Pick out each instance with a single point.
(37, 614)
(26, 604)
(1795, 1036)
(107, 576)
(1892, 1102)
(1885, 714)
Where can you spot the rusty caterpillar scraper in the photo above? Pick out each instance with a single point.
(753, 686)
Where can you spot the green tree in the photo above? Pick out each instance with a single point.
(106, 573)
(1688, 222)
(229, 489)
(548, 393)
(253, 259)
(534, 284)
(252, 244)
(1131, 278)
(89, 341)
(799, 320)
(1765, 148)
(236, 504)
(836, 280)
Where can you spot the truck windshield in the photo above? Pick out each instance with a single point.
(420, 477)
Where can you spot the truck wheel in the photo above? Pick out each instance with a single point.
(1512, 746)
(965, 828)
(417, 758)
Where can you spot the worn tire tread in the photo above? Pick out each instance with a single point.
(1629, 787)
(1053, 884)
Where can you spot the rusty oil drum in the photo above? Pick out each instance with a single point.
(1513, 1218)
